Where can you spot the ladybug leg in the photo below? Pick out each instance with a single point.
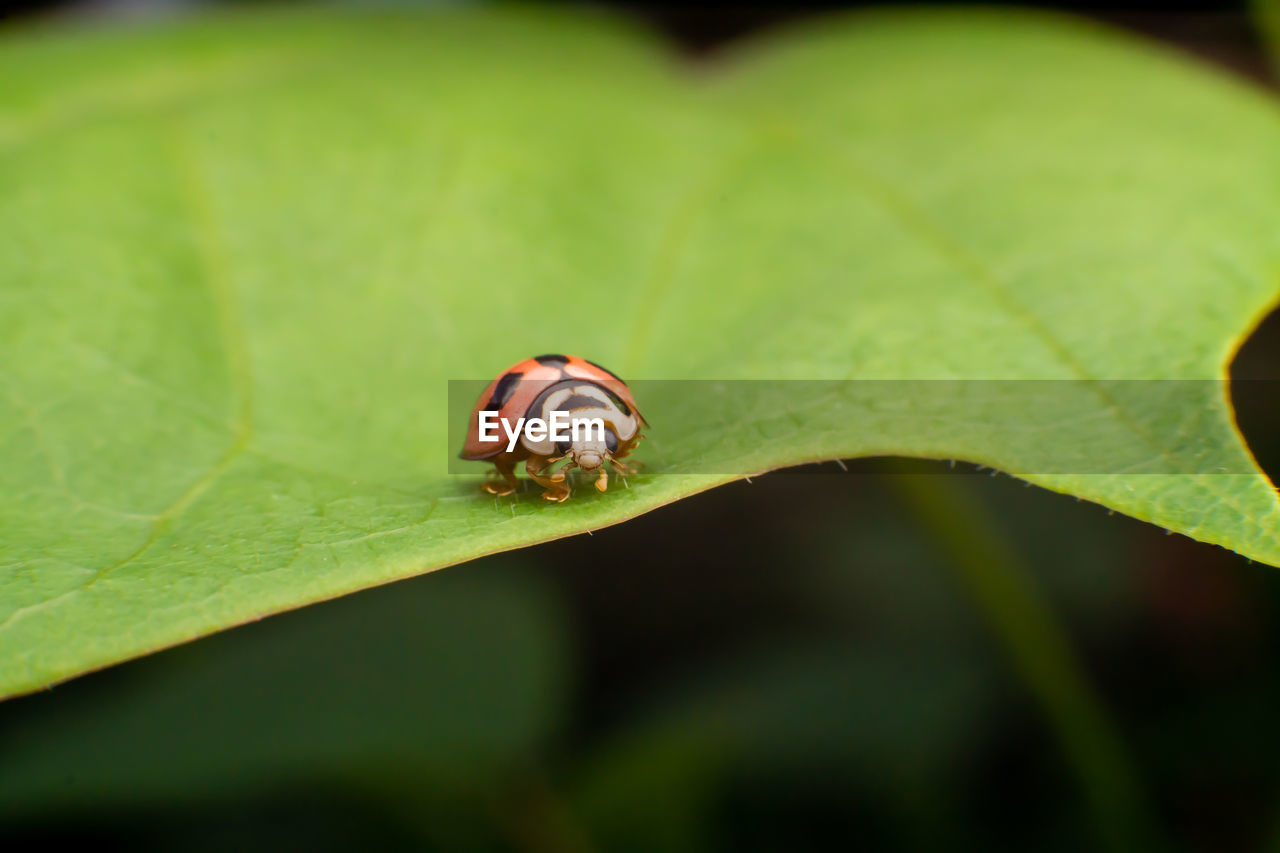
(556, 490)
(506, 469)
(559, 476)
(602, 482)
(625, 451)
(622, 468)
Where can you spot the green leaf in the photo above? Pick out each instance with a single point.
(240, 257)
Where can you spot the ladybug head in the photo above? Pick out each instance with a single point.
(591, 450)
(587, 421)
(588, 459)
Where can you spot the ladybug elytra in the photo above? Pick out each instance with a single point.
(541, 403)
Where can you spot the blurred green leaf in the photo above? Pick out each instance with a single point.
(451, 684)
(895, 724)
(240, 256)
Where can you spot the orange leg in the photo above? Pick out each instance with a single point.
(506, 469)
(556, 489)
(623, 452)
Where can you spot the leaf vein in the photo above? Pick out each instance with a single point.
(209, 250)
(898, 206)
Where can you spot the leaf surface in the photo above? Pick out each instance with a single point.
(241, 257)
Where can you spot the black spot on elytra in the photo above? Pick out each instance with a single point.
(552, 360)
(502, 393)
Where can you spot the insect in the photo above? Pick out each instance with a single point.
(536, 388)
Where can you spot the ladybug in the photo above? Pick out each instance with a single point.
(536, 388)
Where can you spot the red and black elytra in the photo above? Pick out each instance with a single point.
(533, 389)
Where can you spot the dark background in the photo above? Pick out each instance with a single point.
(900, 657)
